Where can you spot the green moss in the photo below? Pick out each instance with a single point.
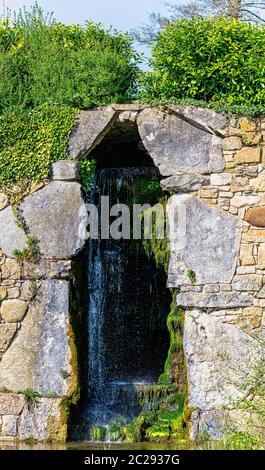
(159, 249)
(175, 322)
(98, 433)
(115, 432)
(158, 433)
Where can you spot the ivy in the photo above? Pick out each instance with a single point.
(31, 141)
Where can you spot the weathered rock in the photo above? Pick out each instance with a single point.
(11, 269)
(66, 170)
(53, 216)
(41, 349)
(258, 184)
(261, 294)
(91, 128)
(7, 333)
(184, 183)
(11, 404)
(256, 216)
(3, 293)
(13, 311)
(247, 282)
(178, 146)
(221, 179)
(218, 300)
(46, 268)
(3, 201)
(13, 292)
(244, 201)
(43, 422)
(11, 236)
(219, 358)
(9, 425)
(203, 239)
(207, 118)
(232, 143)
(248, 155)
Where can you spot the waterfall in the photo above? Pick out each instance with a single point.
(127, 309)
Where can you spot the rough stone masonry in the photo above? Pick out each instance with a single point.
(214, 168)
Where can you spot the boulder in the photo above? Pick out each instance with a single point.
(11, 236)
(92, 126)
(53, 216)
(203, 239)
(41, 349)
(176, 145)
(220, 358)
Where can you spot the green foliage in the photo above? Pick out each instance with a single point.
(175, 328)
(31, 141)
(87, 171)
(156, 247)
(98, 433)
(241, 440)
(191, 276)
(44, 61)
(31, 396)
(214, 59)
(31, 253)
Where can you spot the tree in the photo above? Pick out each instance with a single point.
(245, 9)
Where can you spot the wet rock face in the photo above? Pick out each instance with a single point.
(178, 146)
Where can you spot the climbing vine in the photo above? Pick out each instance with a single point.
(31, 141)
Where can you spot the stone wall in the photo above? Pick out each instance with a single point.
(214, 170)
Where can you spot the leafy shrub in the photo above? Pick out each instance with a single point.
(31, 141)
(43, 61)
(214, 59)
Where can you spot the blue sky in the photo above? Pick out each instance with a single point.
(122, 14)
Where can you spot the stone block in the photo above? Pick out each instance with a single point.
(13, 311)
(56, 215)
(248, 155)
(232, 143)
(41, 348)
(221, 179)
(247, 282)
(218, 300)
(184, 183)
(203, 239)
(66, 170)
(11, 404)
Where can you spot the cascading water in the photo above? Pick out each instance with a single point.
(127, 334)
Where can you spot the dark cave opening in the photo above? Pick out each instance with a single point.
(124, 297)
